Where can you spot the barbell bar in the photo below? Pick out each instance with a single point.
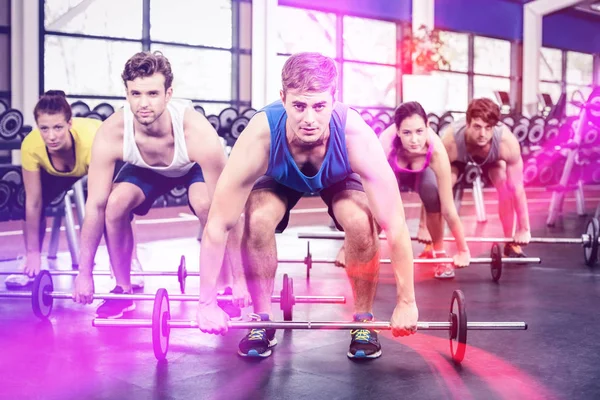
(589, 240)
(495, 261)
(583, 240)
(42, 296)
(457, 325)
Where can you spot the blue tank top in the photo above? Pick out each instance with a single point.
(283, 168)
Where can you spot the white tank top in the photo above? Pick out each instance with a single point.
(181, 163)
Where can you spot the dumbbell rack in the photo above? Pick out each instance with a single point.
(563, 187)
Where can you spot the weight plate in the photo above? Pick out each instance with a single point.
(378, 126)
(94, 115)
(385, 118)
(6, 193)
(508, 121)
(521, 131)
(367, 117)
(200, 109)
(590, 136)
(214, 121)
(431, 117)
(11, 123)
(286, 302)
(472, 172)
(227, 116)
(182, 274)
(530, 172)
(590, 253)
(178, 192)
(238, 126)
(12, 175)
(41, 302)
(79, 109)
(249, 113)
(552, 132)
(160, 324)
(496, 265)
(536, 133)
(458, 328)
(105, 110)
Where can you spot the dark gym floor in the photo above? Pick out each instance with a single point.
(556, 358)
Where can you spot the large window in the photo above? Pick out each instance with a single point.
(5, 85)
(579, 77)
(456, 52)
(478, 66)
(366, 62)
(200, 40)
(491, 67)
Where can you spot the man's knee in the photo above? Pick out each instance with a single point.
(360, 230)
(120, 205)
(262, 215)
(200, 205)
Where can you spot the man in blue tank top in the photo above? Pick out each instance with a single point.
(307, 142)
(481, 140)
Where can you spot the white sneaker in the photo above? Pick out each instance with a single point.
(137, 281)
(444, 271)
(16, 281)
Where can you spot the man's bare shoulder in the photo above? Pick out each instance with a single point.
(509, 145)
(112, 128)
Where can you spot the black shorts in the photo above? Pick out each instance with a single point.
(154, 185)
(351, 182)
(54, 188)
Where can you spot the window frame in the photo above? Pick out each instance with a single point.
(146, 42)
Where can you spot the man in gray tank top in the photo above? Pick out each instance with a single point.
(481, 140)
(165, 144)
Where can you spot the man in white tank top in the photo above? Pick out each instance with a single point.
(165, 143)
(481, 140)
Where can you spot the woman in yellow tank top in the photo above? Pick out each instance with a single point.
(54, 156)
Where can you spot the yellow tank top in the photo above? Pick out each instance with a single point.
(34, 155)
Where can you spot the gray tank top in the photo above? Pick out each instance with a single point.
(461, 147)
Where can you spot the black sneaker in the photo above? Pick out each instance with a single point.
(113, 308)
(365, 343)
(514, 251)
(258, 342)
(234, 312)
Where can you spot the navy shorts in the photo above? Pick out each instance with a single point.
(154, 185)
(351, 182)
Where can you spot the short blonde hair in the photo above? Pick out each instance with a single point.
(309, 72)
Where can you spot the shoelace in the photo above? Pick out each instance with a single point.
(257, 334)
(361, 334)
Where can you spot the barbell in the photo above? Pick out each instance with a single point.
(457, 325)
(495, 260)
(42, 296)
(589, 240)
